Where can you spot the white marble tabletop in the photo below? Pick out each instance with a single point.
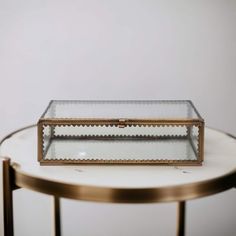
(219, 160)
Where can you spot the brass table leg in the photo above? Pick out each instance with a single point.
(56, 216)
(181, 219)
(7, 198)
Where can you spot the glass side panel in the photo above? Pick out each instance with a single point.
(113, 143)
(121, 109)
(75, 149)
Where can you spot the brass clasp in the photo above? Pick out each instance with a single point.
(122, 123)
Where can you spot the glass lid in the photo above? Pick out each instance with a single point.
(131, 109)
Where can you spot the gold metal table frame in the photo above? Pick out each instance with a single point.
(14, 178)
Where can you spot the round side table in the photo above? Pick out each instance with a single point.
(114, 183)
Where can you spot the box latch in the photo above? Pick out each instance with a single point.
(122, 123)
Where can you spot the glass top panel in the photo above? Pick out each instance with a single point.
(152, 109)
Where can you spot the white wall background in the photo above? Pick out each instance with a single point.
(119, 50)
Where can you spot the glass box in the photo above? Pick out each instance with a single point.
(121, 132)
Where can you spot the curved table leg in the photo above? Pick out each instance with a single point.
(181, 219)
(56, 216)
(6, 201)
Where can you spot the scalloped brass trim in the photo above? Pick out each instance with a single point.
(199, 123)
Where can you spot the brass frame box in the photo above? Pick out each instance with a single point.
(169, 132)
